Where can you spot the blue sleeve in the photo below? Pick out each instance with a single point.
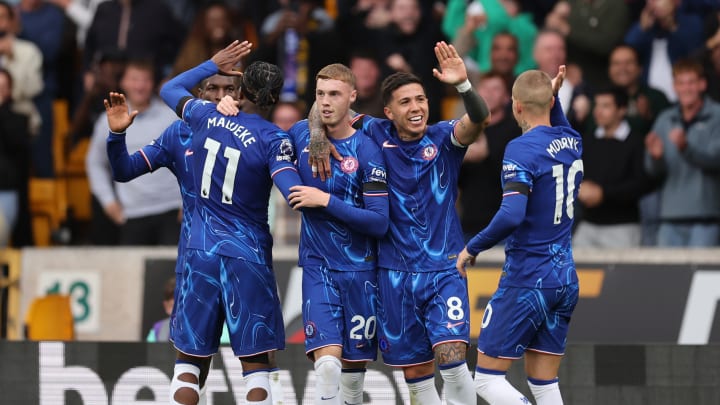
(284, 179)
(509, 216)
(176, 92)
(557, 117)
(372, 220)
(125, 167)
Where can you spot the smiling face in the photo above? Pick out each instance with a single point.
(408, 109)
(624, 68)
(333, 98)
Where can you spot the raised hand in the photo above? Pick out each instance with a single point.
(558, 80)
(452, 68)
(117, 112)
(228, 57)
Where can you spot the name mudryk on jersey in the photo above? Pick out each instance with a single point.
(239, 131)
(562, 143)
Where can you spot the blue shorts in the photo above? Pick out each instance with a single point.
(519, 319)
(418, 311)
(217, 289)
(339, 309)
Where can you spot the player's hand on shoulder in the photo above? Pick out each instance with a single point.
(228, 106)
(117, 112)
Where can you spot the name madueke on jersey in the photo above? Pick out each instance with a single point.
(563, 143)
(239, 131)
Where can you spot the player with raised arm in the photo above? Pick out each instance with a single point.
(423, 312)
(172, 150)
(337, 244)
(530, 312)
(228, 264)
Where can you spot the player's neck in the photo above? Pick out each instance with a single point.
(340, 131)
(528, 123)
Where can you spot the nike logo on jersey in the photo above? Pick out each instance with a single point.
(188, 152)
(327, 398)
(453, 325)
(387, 144)
(306, 150)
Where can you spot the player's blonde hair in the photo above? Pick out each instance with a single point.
(337, 71)
(533, 89)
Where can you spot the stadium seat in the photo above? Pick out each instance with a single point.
(48, 208)
(50, 318)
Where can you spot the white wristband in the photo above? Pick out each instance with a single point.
(464, 86)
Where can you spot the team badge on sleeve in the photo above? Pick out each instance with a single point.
(286, 153)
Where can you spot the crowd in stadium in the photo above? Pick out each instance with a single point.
(642, 84)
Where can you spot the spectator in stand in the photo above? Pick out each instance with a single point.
(359, 21)
(46, 26)
(102, 78)
(614, 178)
(160, 331)
(644, 102)
(684, 149)
(215, 27)
(473, 27)
(479, 181)
(504, 57)
(24, 61)
(147, 209)
(591, 28)
(300, 38)
(366, 69)
(549, 52)
(644, 105)
(81, 12)
(142, 28)
(663, 35)
(403, 48)
(14, 168)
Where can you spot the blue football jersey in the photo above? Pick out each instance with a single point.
(325, 239)
(171, 149)
(539, 252)
(235, 160)
(425, 232)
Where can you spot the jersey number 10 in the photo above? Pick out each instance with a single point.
(560, 196)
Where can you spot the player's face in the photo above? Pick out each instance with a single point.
(333, 99)
(624, 68)
(217, 87)
(606, 112)
(688, 87)
(408, 109)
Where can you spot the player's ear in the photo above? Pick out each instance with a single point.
(388, 113)
(353, 96)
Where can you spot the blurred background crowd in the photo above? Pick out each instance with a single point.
(642, 88)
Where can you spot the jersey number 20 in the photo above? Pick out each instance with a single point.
(560, 196)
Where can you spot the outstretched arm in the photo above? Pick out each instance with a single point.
(557, 116)
(452, 71)
(176, 92)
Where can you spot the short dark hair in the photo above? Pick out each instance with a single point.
(395, 81)
(262, 83)
(688, 65)
(619, 95)
(629, 48)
